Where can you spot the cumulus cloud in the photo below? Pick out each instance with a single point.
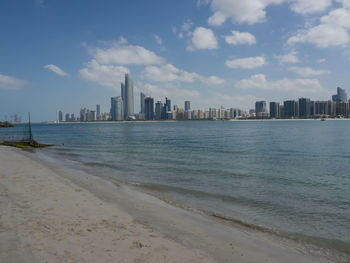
(288, 58)
(169, 73)
(56, 70)
(332, 30)
(203, 38)
(240, 38)
(295, 86)
(322, 36)
(307, 71)
(126, 54)
(250, 12)
(246, 63)
(11, 83)
(310, 6)
(105, 75)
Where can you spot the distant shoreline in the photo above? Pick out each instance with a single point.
(159, 121)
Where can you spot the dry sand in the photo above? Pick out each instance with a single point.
(49, 213)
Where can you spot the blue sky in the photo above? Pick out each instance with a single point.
(71, 54)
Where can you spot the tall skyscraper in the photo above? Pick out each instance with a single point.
(114, 108)
(122, 93)
(98, 112)
(142, 102)
(158, 111)
(60, 116)
(340, 96)
(117, 109)
(304, 107)
(187, 105)
(274, 109)
(260, 108)
(149, 108)
(291, 108)
(128, 97)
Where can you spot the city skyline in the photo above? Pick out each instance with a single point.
(211, 52)
(337, 106)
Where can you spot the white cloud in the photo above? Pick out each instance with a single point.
(310, 6)
(246, 63)
(203, 38)
(250, 12)
(11, 83)
(158, 39)
(105, 75)
(125, 54)
(339, 18)
(307, 71)
(169, 73)
(322, 36)
(288, 58)
(302, 87)
(56, 70)
(240, 38)
(332, 30)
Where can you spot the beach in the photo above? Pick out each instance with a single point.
(50, 213)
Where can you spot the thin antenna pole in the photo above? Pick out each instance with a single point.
(30, 128)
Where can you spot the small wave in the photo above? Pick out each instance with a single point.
(106, 165)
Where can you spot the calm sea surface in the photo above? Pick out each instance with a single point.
(292, 177)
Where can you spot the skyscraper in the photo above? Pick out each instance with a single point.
(117, 109)
(114, 108)
(149, 108)
(274, 109)
(128, 97)
(260, 108)
(304, 107)
(142, 102)
(98, 112)
(340, 96)
(187, 105)
(122, 93)
(158, 111)
(60, 116)
(291, 108)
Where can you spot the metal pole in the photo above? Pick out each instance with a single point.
(30, 129)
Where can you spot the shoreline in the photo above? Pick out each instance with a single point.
(159, 230)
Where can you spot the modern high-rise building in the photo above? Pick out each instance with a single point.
(158, 111)
(304, 107)
(128, 97)
(340, 96)
(291, 108)
(260, 108)
(142, 102)
(98, 112)
(114, 108)
(149, 108)
(274, 109)
(117, 109)
(187, 105)
(60, 116)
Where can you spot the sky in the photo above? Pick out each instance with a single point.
(64, 55)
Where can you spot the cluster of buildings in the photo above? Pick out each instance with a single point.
(122, 108)
(338, 106)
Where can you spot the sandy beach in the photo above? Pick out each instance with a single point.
(50, 213)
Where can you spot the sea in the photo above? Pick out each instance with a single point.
(289, 177)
